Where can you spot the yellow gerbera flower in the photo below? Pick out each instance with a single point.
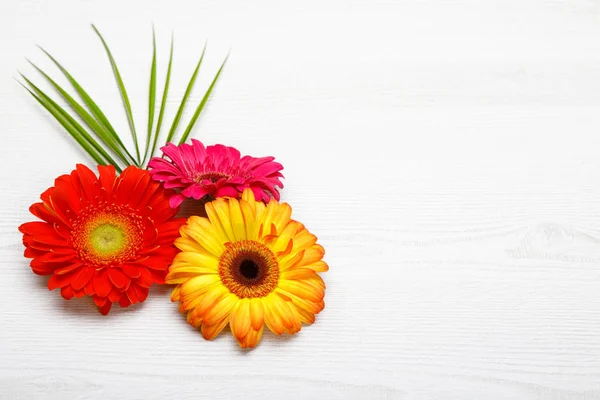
(248, 264)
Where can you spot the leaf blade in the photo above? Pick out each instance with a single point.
(163, 101)
(123, 91)
(92, 106)
(94, 125)
(200, 107)
(151, 97)
(72, 127)
(184, 99)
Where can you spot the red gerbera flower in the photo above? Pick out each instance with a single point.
(109, 237)
(215, 171)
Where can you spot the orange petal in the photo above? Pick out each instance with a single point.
(251, 339)
(272, 319)
(209, 332)
(221, 309)
(257, 314)
(239, 319)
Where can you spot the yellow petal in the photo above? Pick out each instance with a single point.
(248, 195)
(309, 306)
(209, 332)
(318, 266)
(210, 299)
(221, 309)
(291, 261)
(256, 313)
(214, 219)
(188, 244)
(205, 239)
(281, 216)
(305, 316)
(302, 290)
(252, 338)
(303, 238)
(239, 319)
(175, 293)
(313, 254)
(222, 209)
(193, 319)
(272, 318)
(298, 273)
(290, 319)
(284, 238)
(198, 284)
(249, 220)
(267, 217)
(237, 220)
(204, 260)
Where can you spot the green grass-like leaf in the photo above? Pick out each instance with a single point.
(94, 125)
(72, 126)
(93, 107)
(106, 138)
(163, 102)
(151, 96)
(123, 91)
(188, 90)
(200, 107)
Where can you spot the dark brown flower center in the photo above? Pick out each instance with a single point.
(249, 269)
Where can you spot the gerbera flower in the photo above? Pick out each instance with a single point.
(246, 265)
(109, 237)
(214, 171)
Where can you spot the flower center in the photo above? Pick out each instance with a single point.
(107, 239)
(210, 176)
(107, 234)
(249, 269)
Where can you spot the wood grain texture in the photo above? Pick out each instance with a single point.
(445, 153)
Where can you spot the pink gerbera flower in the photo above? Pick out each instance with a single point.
(214, 171)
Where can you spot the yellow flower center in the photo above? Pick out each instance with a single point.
(107, 234)
(249, 269)
(107, 239)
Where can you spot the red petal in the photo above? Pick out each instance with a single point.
(124, 302)
(114, 295)
(54, 257)
(105, 308)
(82, 278)
(68, 268)
(36, 228)
(141, 293)
(87, 179)
(145, 278)
(118, 278)
(67, 292)
(89, 288)
(107, 179)
(102, 285)
(131, 271)
(131, 296)
(100, 301)
(59, 281)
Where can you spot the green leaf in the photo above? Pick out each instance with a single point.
(73, 127)
(94, 125)
(202, 103)
(151, 97)
(124, 96)
(163, 102)
(185, 97)
(93, 107)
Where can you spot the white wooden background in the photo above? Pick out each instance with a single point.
(446, 153)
